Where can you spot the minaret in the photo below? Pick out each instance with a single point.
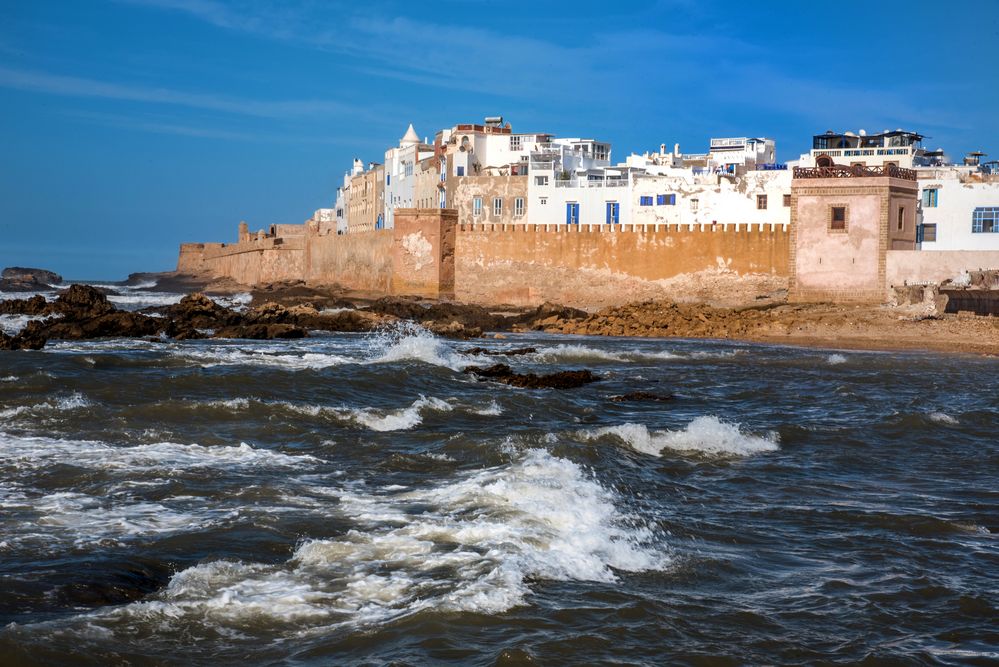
(411, 138)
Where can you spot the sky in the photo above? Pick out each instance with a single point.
(130, 126)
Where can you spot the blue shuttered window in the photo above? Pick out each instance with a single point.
(613, 213)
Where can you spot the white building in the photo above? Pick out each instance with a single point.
(400, 163)
(898, 147)
(958, 208)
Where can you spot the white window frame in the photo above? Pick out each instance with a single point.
(518, 207)
(477, 206)
(497, 207)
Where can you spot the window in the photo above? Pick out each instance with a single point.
(541, 180)
(497, 207)
(477, 206)
(787, 201)
(761, 202)
(645, 201)
(693, 204)
(572, 213)
(543, 200)
(388, 179)
(930, 198)
(518, 207)
(665, 200)
(985, 220)
(515, 142)
(926, 233)
(460, 171)
(409, 169)
(837, 218)
(613, 213)
(901, 218)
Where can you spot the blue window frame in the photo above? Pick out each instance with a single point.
(572, 213)
(645, 201)
(665, 200)
(985, 220)
(461, 171)
(388, 179)
(930, 198)
(613, 213)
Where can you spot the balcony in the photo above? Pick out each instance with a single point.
(856, 171)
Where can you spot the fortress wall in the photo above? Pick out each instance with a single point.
(360, 260)
(595, 265)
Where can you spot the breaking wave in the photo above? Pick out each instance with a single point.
(705, 435)
(74, 401)
(835, 359)
(943, 418)
(475, 547)
(411, 342)
(30, 452)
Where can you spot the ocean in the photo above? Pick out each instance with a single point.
(358, 499)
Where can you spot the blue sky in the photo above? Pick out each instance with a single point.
(129, 126)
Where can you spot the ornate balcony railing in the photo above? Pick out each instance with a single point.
(855, 171)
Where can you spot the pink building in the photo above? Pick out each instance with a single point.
(844, 220)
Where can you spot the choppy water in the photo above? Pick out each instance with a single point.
(355, 499)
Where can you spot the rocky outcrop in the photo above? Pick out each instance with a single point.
(261, 331)
(515, 352)
(636, 396)
(20, 279)
(36, 305)
(506, 375)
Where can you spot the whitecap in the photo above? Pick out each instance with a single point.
(398, 420)
(571, 352)
(23, 452)
(476, 545)
(492, 409)
(704, 435)
(943, 418)
(73, 401)
(836, 359)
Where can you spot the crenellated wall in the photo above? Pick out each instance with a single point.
(428, 253)
(594, 265)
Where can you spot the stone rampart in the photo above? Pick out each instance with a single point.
(914, 267)
(594, 265)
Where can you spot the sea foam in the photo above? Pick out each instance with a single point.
(475, 546)
(706, 435)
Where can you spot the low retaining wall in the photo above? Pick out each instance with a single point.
(935, 266)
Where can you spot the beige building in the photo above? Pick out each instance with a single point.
(844, 220)
(427, 183)
(367, 197)
(493, 199)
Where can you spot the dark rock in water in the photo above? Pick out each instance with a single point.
(561, 380)
(517, 351)
(640, 396)
(115, 324)
(82, 301)
(199, 312)
(20, 279)
(36, 305)
(261, 331)
(454, 329)
(28, 339)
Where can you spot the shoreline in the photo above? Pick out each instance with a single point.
(873, 328)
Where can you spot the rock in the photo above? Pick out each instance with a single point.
(561, 380)
(640, 396)
(261, 331)
(82, 301)
(499, 336)
(20, 279)
(199, 312)
(452, 329)
(36, 305)
(116, 324)
(518, 351)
